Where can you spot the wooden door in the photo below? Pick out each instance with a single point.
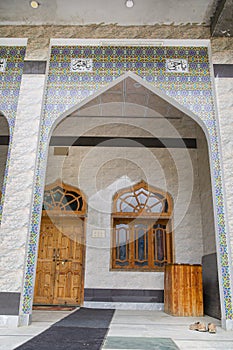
(60, 264)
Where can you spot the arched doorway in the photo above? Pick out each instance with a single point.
(114, 155)
(142, 229)
(61, 254)
(166, 105)
(106, 153)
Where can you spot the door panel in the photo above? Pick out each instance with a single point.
(70, 260)
(45, 264)
(44, 282)
(68, 284)
(60, 265)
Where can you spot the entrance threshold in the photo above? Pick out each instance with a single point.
(55, 307)
(124, 305)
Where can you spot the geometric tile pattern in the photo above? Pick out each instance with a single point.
(10, 81)
(191, 89)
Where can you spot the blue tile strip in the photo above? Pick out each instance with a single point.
(10, 81)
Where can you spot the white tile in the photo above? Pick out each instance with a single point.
(204, 345)
(10, 342)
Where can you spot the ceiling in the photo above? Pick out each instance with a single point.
(119, 104)
(78, 12)
(144, 12)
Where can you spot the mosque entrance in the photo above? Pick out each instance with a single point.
(123, 140)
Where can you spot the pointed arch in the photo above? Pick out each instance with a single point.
(153, 89)
(60, 197)
(142, 199)
(220, 215)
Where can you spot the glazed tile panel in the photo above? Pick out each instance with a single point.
(10, 80)
(191, 87)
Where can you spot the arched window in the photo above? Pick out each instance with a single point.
(142, 229)
(59, 197)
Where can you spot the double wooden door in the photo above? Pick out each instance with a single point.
(60, 263)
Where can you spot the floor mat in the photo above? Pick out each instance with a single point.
(139, 343)
(83, 329)
(92, 318)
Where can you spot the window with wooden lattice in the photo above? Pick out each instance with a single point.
(59, 197)
(142, 229)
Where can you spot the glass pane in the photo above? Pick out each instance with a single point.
(157, 207)
(57, 195)
(140, 245)
(132, 201)
(47, 198)
(142, 197)
(125, 208)
(72, 202)
(122, 244)
(159, 245)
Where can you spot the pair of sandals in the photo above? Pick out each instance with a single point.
(201, 327)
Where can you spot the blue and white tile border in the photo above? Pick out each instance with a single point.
(12, 51)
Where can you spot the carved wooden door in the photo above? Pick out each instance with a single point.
(45, 274)
(60, 264)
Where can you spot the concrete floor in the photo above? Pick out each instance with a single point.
(41, 320)
(141, 325)
(157, 324)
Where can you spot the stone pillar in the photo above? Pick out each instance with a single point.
(224, 87)
(18, 197)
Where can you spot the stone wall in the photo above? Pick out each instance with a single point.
(39, 36)
(19, 187)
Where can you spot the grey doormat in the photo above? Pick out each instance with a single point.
(139, 343)
(83, 329)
